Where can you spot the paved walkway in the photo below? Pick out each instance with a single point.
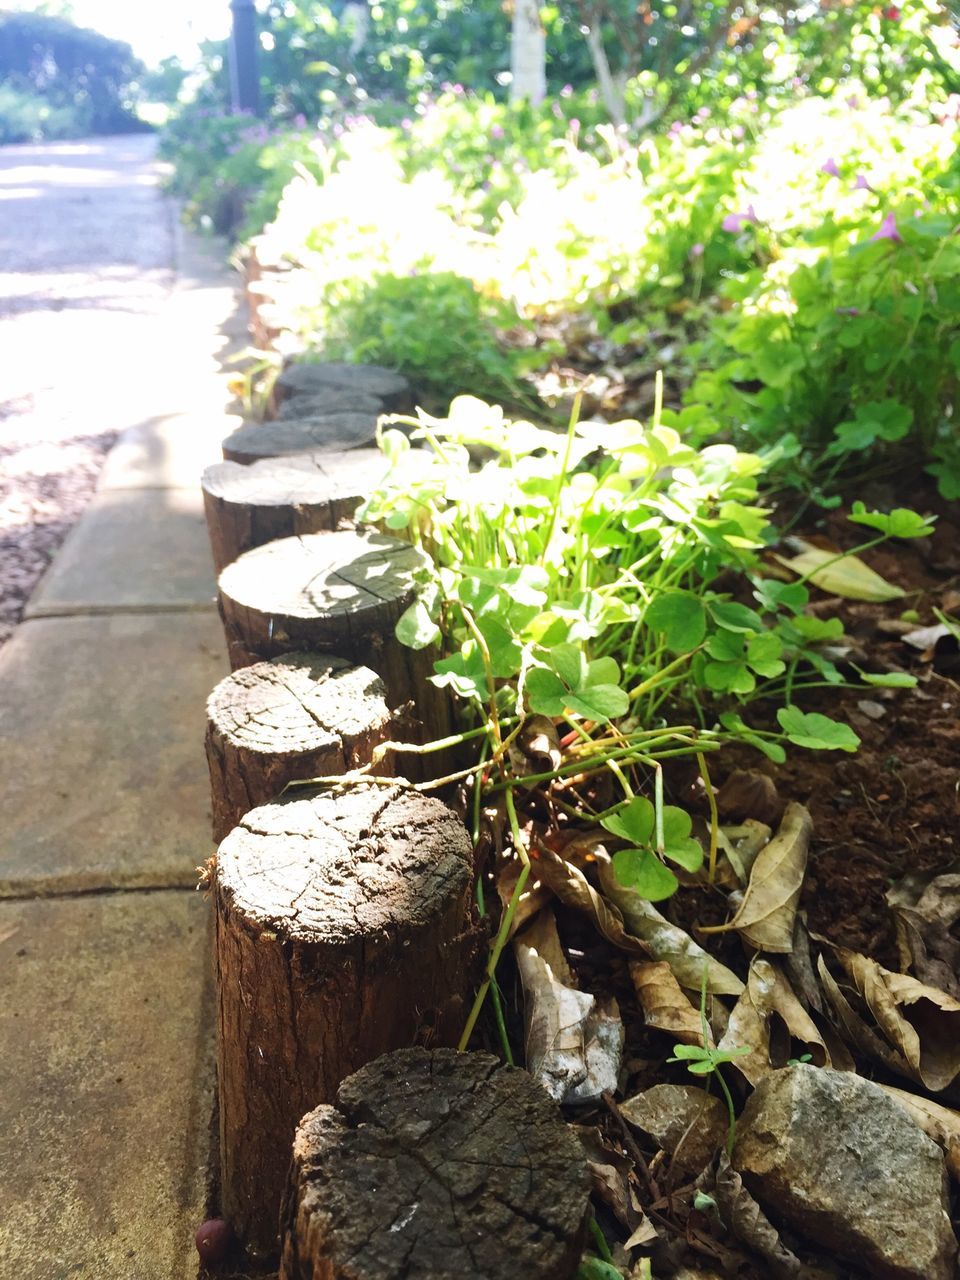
(109, 315)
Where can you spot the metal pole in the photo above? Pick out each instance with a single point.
(244, 78)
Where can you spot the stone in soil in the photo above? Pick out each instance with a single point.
(686, 1122)
(833, 1156)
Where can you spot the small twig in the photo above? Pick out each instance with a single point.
(630, 1143)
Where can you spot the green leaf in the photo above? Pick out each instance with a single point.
(735, 617)
(899, 523)
(592, 1268)
(641, 870)
(888, 679)
(678, 844)
(774, 595)
(505, 651)
(681, 616)
(635, 821)
(546, 693)
(464, 672)
(415, 627)
(570, 664)
(763, 655)
(818, 732)
(599, 702)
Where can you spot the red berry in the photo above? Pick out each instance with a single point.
(214, 1239)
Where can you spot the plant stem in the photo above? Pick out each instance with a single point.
(714, 816)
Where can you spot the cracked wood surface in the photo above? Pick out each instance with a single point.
(338, 593)
(332, 432)
(435, 1164)
(247, 506)
(344, 929)
(323, 380)
(298, 716)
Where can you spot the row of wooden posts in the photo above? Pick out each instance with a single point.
(354, 1140)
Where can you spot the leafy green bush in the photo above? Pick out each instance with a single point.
(27, 117)
(434, 327)
(71, 69)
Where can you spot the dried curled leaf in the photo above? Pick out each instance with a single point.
(665, 940)
(854, 1030)
(939, 1123)
(744, 1218)
(765, 1019)
(573, 1042)
(921, 1023)
(767, 913)
(611, 1173)
(665, 1007)
(925, 910)
(839, 575)
(573, 889)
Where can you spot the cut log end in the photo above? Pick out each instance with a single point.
(435, 1164)
(344, 930)
(333, 431)
(333, 401)
(298, 716)
(307, 379)
(248, 506)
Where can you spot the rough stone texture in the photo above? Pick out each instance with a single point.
(344, 930)
(103, 781)
(835, 1157)
(166, 453)
(298, 716)
(317, 380)
(335, 431)
(688, 1123)
(134, 549)
(247, 506)
(105, 1085)
(435, 1166)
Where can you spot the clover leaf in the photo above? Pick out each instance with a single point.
(818, 732)
(899, 523)
(567, 682)
(681, 616)
(640, 868)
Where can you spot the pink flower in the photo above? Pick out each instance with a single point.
(860, 183)
(853, 102)
(734, 221)
(696, 250)
(888, 229)
(892, 13)
(830, 166)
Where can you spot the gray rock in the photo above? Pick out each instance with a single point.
(336, 400)
(688, 1123)
(835, 1157)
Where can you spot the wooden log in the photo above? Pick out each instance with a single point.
(247, 506)
(302, 715)
(338, 593)
(317, 379)
(344, 929)
(331, 433)
(435, 1166)
(336, 400)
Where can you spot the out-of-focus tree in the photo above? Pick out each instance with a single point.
(71, 67)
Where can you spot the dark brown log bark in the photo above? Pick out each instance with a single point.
(435, 1166)
(344, 929)
(337, 400)
(299, 716)
(362, 379)
(334, 432)
(247, 506)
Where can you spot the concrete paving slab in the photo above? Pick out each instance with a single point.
(104, 781)
(106, 1082)
(133, 549)
(167, 453)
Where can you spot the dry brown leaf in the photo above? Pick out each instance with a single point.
(573, 889)
(665, 940)
(925, 909)
(533, 899)
(766, 915)
(744, 1218)
(839, 575)
(768, 1012)
(611, 1176)
(749, 794)
(920, 1022)
(665, 1007)
(573, 1042)
(742, 844)
(855, 1031)
(536, 748)
(939, 1123)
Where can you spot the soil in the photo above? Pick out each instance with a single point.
(46, 481)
